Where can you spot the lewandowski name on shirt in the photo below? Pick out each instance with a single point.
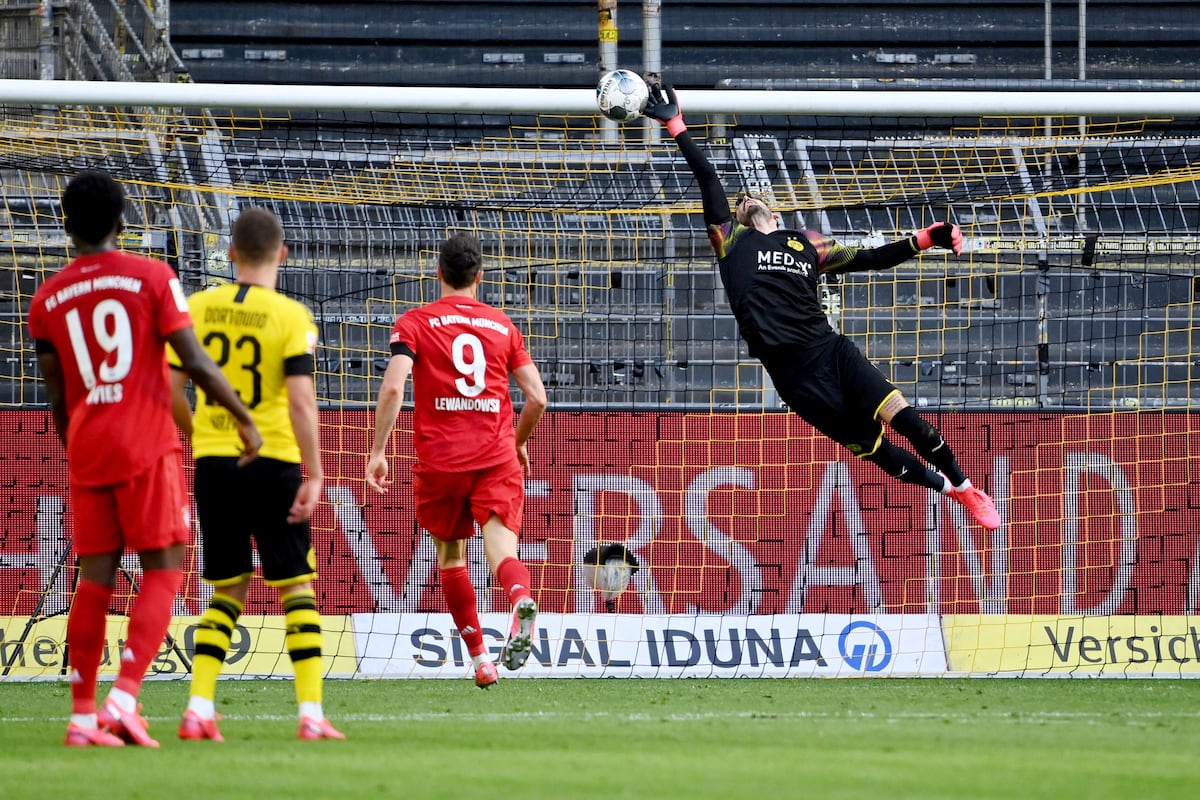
(490, 405)
(474, 322)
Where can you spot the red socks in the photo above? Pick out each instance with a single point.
(460, 598)
(85, 641)
(514, 577)
(149, 620)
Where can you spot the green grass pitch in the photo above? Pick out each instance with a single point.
(662, 739)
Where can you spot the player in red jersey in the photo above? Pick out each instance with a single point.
(100, 327)
(470, 460)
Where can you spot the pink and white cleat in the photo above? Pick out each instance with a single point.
(79, 736)
(486, 675)
(313, 729)
(195, 727)
(130, 727)
(515, 651)
(980, 505)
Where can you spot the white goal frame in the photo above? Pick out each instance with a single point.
(440, 99)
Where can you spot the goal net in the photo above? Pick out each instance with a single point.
(1059, 355)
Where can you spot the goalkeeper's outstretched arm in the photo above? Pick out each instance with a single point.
(838, 258)
(664, 107)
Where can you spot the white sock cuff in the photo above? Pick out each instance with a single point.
(202, 706)
(311, 710)
(124, 700)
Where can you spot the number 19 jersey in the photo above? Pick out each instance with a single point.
(107, 316)
(463, 351)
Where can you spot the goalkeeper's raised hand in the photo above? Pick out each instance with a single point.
(663, 106)
(942, 234)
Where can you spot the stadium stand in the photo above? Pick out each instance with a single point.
(124, 40)
(554, 43)
(647, 342)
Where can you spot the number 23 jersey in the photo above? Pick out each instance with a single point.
(258, 337)
(463, 351)
(107, 316)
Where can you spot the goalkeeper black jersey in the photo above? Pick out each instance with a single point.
(771, 280)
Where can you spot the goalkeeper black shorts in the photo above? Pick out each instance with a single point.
(836, 390)
(241, 508)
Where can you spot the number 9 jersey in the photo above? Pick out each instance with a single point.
(463, 351)
(107, 316)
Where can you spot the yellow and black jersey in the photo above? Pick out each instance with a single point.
(258, 337)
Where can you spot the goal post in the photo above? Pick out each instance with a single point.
(1024, 99)
(1059, 355)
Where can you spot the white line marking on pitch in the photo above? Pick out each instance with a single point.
(1041, 716)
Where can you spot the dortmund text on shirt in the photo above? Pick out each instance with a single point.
(223, 315)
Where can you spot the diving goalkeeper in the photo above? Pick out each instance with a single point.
(770, 275)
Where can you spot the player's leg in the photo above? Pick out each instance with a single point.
(155, 515)
(442, 509)
(98, 547)
(289, 565)
(873, 446)
(839, 396)
(927, 440)
(214, 632)
(904, 466)
(498, 502)
(305, 642)
(227, 564)
(929, 443)
(500, 546)
(464, 609)
(870, 400)
(149, 619)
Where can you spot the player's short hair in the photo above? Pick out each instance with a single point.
(92, 205)
(460, 260)
(257, 235)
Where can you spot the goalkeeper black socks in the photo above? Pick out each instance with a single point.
(928, 442)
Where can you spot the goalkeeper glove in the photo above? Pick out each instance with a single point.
(663, 106)
(943, 234)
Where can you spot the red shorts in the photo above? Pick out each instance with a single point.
(448, 502)
(149, 512)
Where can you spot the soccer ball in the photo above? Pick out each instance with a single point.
(621, 95)
(607, 569)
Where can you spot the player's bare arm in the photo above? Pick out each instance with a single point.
(181, 408)
(208, 376)
(52, 375)
(387, 408)
(530, 381)
(302, 408)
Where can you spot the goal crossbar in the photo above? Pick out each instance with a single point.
(441, 99)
